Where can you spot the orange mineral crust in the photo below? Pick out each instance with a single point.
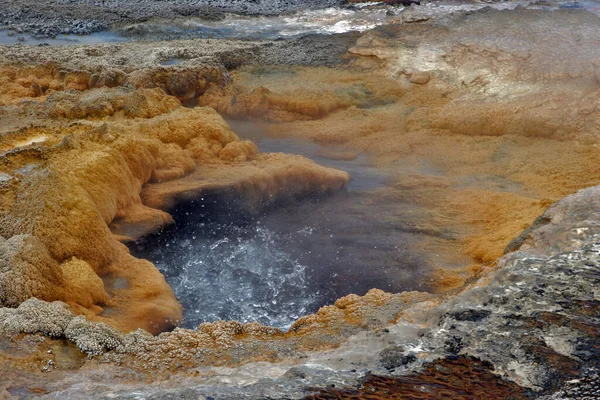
(479, 124)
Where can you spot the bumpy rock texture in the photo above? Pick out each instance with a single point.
(552, 325)
(516, 332)
(122, 168)
(505, 108)
(76, 16)
(82, 67)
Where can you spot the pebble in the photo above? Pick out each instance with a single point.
(420, 78)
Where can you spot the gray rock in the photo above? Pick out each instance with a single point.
(56, 17)
(395, 356)
(92, 338)
(36, 316)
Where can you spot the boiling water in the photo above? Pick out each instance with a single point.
(224, 271)
(291, 260)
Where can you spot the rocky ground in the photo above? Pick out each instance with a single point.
(81, 17)
(97, 148)
(54, 17)
(311, 50)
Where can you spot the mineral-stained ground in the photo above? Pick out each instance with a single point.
(486, 123)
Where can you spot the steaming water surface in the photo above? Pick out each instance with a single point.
(291, 260)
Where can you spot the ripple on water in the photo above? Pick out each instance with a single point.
(231, 272)
(288, 262)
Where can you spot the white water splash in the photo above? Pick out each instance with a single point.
(244, 277)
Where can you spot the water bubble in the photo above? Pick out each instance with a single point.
(234, 273)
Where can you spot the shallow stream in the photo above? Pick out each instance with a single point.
(358, 18)
(326, 21)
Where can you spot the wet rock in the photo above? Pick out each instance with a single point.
(92, 17)
(412, 19)
(539, 353)
(296, 373)
(92, 338)
(471, 315)
(395, 356)
(556, 367)
(585, 387)
(185, 394)
(565, 226)
(451, 377)
(453, 345)
(517, 242)
(405, 3)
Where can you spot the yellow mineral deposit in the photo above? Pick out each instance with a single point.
(139, 144)
(484, 135)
